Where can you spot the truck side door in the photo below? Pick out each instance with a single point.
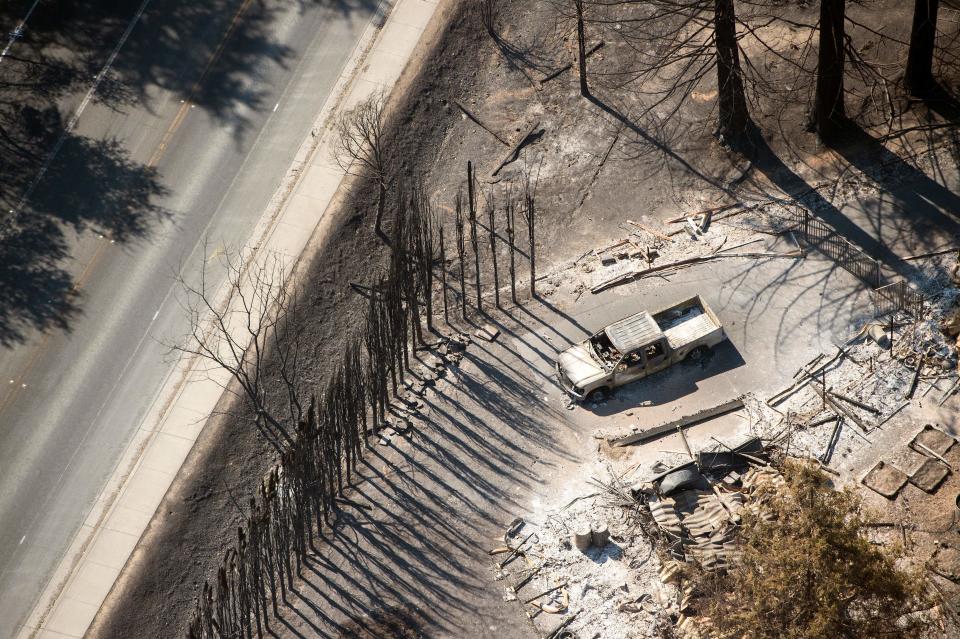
(632, 367)
(657, 356)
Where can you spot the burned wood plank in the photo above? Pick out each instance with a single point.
(514, 153)
(804, 376)
(837, 406)
(627, 277)
(567, 67)
(681, 423)
(854, 402)
(651, 231)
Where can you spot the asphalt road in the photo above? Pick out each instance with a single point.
(221, 136)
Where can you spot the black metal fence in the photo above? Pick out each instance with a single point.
(887, 297)
(897, 297)
(819, 235)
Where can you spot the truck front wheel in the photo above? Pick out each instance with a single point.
(597, 395)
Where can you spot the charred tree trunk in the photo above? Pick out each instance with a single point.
(828, 104)
(732, 107)
(511, 241)
(530, 214)
(461, 255)
(581, 49)
(923, 36)
(492, 222)
(474, 244)
(443, 277)
(381, 205)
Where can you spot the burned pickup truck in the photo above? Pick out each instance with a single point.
(638, 346)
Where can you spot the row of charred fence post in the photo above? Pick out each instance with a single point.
(297, 498)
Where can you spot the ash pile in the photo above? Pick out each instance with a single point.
(586, 570)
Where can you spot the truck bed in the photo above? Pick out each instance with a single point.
(690, 329)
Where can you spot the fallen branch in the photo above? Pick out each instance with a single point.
(933, 254)
(741, 245)
(483, 126)
(716, 209)
(724, 216)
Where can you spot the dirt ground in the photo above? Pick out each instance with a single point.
(494, 440)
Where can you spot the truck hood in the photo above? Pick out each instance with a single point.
(579, 367)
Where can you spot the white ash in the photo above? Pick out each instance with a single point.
(600, 580)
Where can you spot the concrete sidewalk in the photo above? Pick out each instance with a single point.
(104, 543)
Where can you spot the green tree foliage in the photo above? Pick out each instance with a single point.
(808, 572)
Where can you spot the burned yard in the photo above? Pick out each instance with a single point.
(592, 347)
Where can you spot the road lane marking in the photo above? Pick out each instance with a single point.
(275, 107)
(22, 539)
(186, 105)
(17, 32)
(155, 315)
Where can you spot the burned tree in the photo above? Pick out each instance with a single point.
(512, 245)
(829, 111)
(461, 253)
(530, 216)
(923, 36)
(677, 46)
(443, 275)
(492, 229)
(362, 147)
(256, 317)
(732, 115)
(474, 242)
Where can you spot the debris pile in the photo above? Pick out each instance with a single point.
(697, 508)
(837, 401)
(588, 567)
(648, 251)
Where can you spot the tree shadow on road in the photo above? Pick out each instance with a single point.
(59, 184)
(111, 195)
